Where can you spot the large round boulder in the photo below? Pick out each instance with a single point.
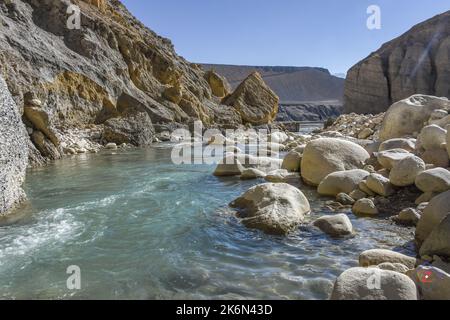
(404, 173)
(434, 213)
(373, 284)
(275, 208)
(327, 155)
(341, 181)
(408, 116)
(433, 180)
(380, 185)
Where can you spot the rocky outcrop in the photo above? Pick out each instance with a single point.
(254, 100)
(416, 62)
(13, 153)
(107, 74)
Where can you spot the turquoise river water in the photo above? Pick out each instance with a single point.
(139, 227)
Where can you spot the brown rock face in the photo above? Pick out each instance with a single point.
(111, 68)
(254, 100)
(417, 62)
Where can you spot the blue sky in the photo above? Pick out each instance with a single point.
(323, 33)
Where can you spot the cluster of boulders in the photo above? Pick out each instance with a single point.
(401, 172)
(357, 125)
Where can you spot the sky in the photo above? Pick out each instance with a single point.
(320, 33)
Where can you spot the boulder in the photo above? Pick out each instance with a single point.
(13, 152)
(41, 121)
(431, 137)
(251, 173)
(327, 155)
(336, 226)
(377, 256)
(437, 209)
(345, 199)
(432, 283)
(365, 207)
(219, 85)
(357, 194)
(111, 146)
(436, 157)
(45, 146)
(438, 242)
(433, 180)
(275, 208)
(341, 181)
(380, 185)
(398, 143)
(389, 158)
(136, 129)
(280, 175)
(425, 197)
(404, 173)
(397, 267)
(407, 217)
(229, 166)
(373, 284)
(409, 115)
(254, 100)
(365, 133)
(291, 161)
(448, 140)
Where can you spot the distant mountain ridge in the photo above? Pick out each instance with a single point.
(291, 84)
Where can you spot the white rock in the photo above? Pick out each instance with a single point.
(111, 146)
(433, 180)
(398, 143)
(229, 166)
(280, 175)
(275, 208)
(252, 173)
(291, 161)
(335, 226)
(380, 185)
(389, 158)
(397, 267)
(377, 256)
(431, 137)
(404, 173)
(409, 115)
(327, 155)
(341, 181)
(373, 284)
(365, 206)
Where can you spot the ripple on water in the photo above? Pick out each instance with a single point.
(142, 228)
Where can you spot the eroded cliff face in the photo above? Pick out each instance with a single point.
(417, 62)
(113, 74)
(13, 153)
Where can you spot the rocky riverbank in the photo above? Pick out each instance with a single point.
(393, 165)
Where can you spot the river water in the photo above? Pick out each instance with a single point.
(139, 227)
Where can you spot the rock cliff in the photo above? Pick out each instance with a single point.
(418, 62)
(13, 152)
(113, 79)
